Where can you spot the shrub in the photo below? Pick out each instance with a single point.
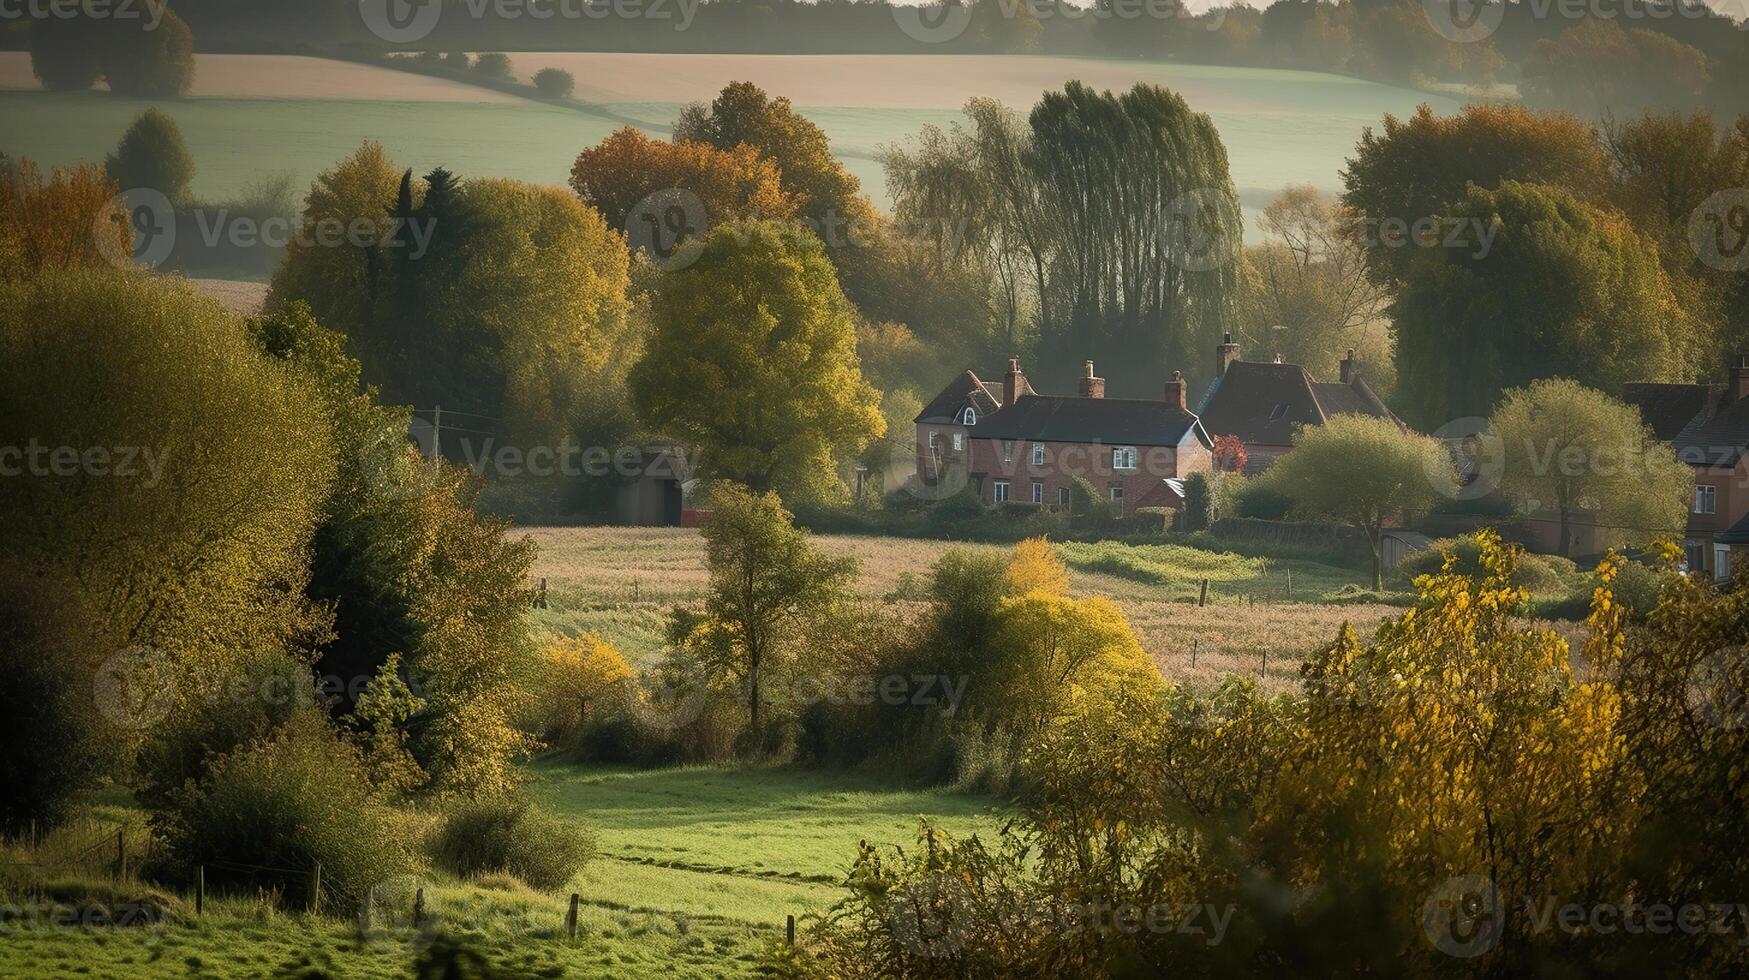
(584, 679)
(1541, 574)
(555, 83)
(458, 61)
(510, 835)
(266, 815)
(1257, 499)
(1197, 503)
(65, 52)
(152, 154)
(494, 67)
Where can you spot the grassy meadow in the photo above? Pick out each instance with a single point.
(622, 582)
(255, 115)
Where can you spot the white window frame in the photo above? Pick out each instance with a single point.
(934, 439)
(1706, 498)
(1038, 454)
(1062, 496)
(1721, 561)
(959, 441)
(969, 416)
(1116, 493)
(1008, 450)
(1123, 458)
(999, 491)
(1038, 491)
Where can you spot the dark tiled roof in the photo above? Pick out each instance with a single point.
(1668, 408)
(1113, 421)
(1717, 439)
(985, 396)
(1262, 403)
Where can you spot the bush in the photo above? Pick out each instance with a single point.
(1541, 574)
(494, 67)
(555, 83)
(1258, 500)
(65, 53)
(1198, 503)
(510, 835)
(152, 154)
(267, 815)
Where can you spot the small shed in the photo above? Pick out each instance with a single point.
(653, 494)
(1397, 544)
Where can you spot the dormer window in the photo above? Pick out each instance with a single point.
(969, 416)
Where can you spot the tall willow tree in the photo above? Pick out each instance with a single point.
(1108, 220)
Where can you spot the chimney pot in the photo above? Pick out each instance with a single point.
(1091, 386)
(1226, 352)
(1012, 383)
(1347, 368)
(1175, 392)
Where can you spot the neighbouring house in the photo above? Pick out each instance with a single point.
(1397, 544)
(1262, 402)
(1009, 443)
(1708, 426)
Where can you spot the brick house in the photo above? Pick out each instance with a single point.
(1262, 402)
(1708, 426)
(1011, 444)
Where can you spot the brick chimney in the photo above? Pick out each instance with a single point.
(1175, 391)
(1226, 352)
(1739, 387)
(1347, 369)
(1012, 382)
(1091, 387)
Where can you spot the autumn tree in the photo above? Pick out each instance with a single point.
(766, 581)
(68, 220)
(1421, 167)
(555, 83)
(1307, 283)
(752, 359)
(152, 155)
(1562, 289)
(1362, 471)
(1573, 450)
(1596, 68)
(627, 167)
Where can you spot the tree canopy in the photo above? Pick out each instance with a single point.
(752, 359)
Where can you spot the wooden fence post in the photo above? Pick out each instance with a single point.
(789, 930)
(1193, 644)
(418, 907)
(1264, 673)
(1203, 597)
(571, 918)
(316, 889)
(199, 888)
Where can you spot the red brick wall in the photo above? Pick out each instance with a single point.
(1064, 461)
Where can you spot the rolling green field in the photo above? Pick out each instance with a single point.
(1280, 127)
(621, 583)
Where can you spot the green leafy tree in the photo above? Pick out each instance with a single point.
(1569, 449)
(767, 580)
(156, 63)
(1562, 289)
(494, 66)
(410, 568)
(1596, 68)
(152, 155)
(1364, 471)
(1420, 167)
(752, 359)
